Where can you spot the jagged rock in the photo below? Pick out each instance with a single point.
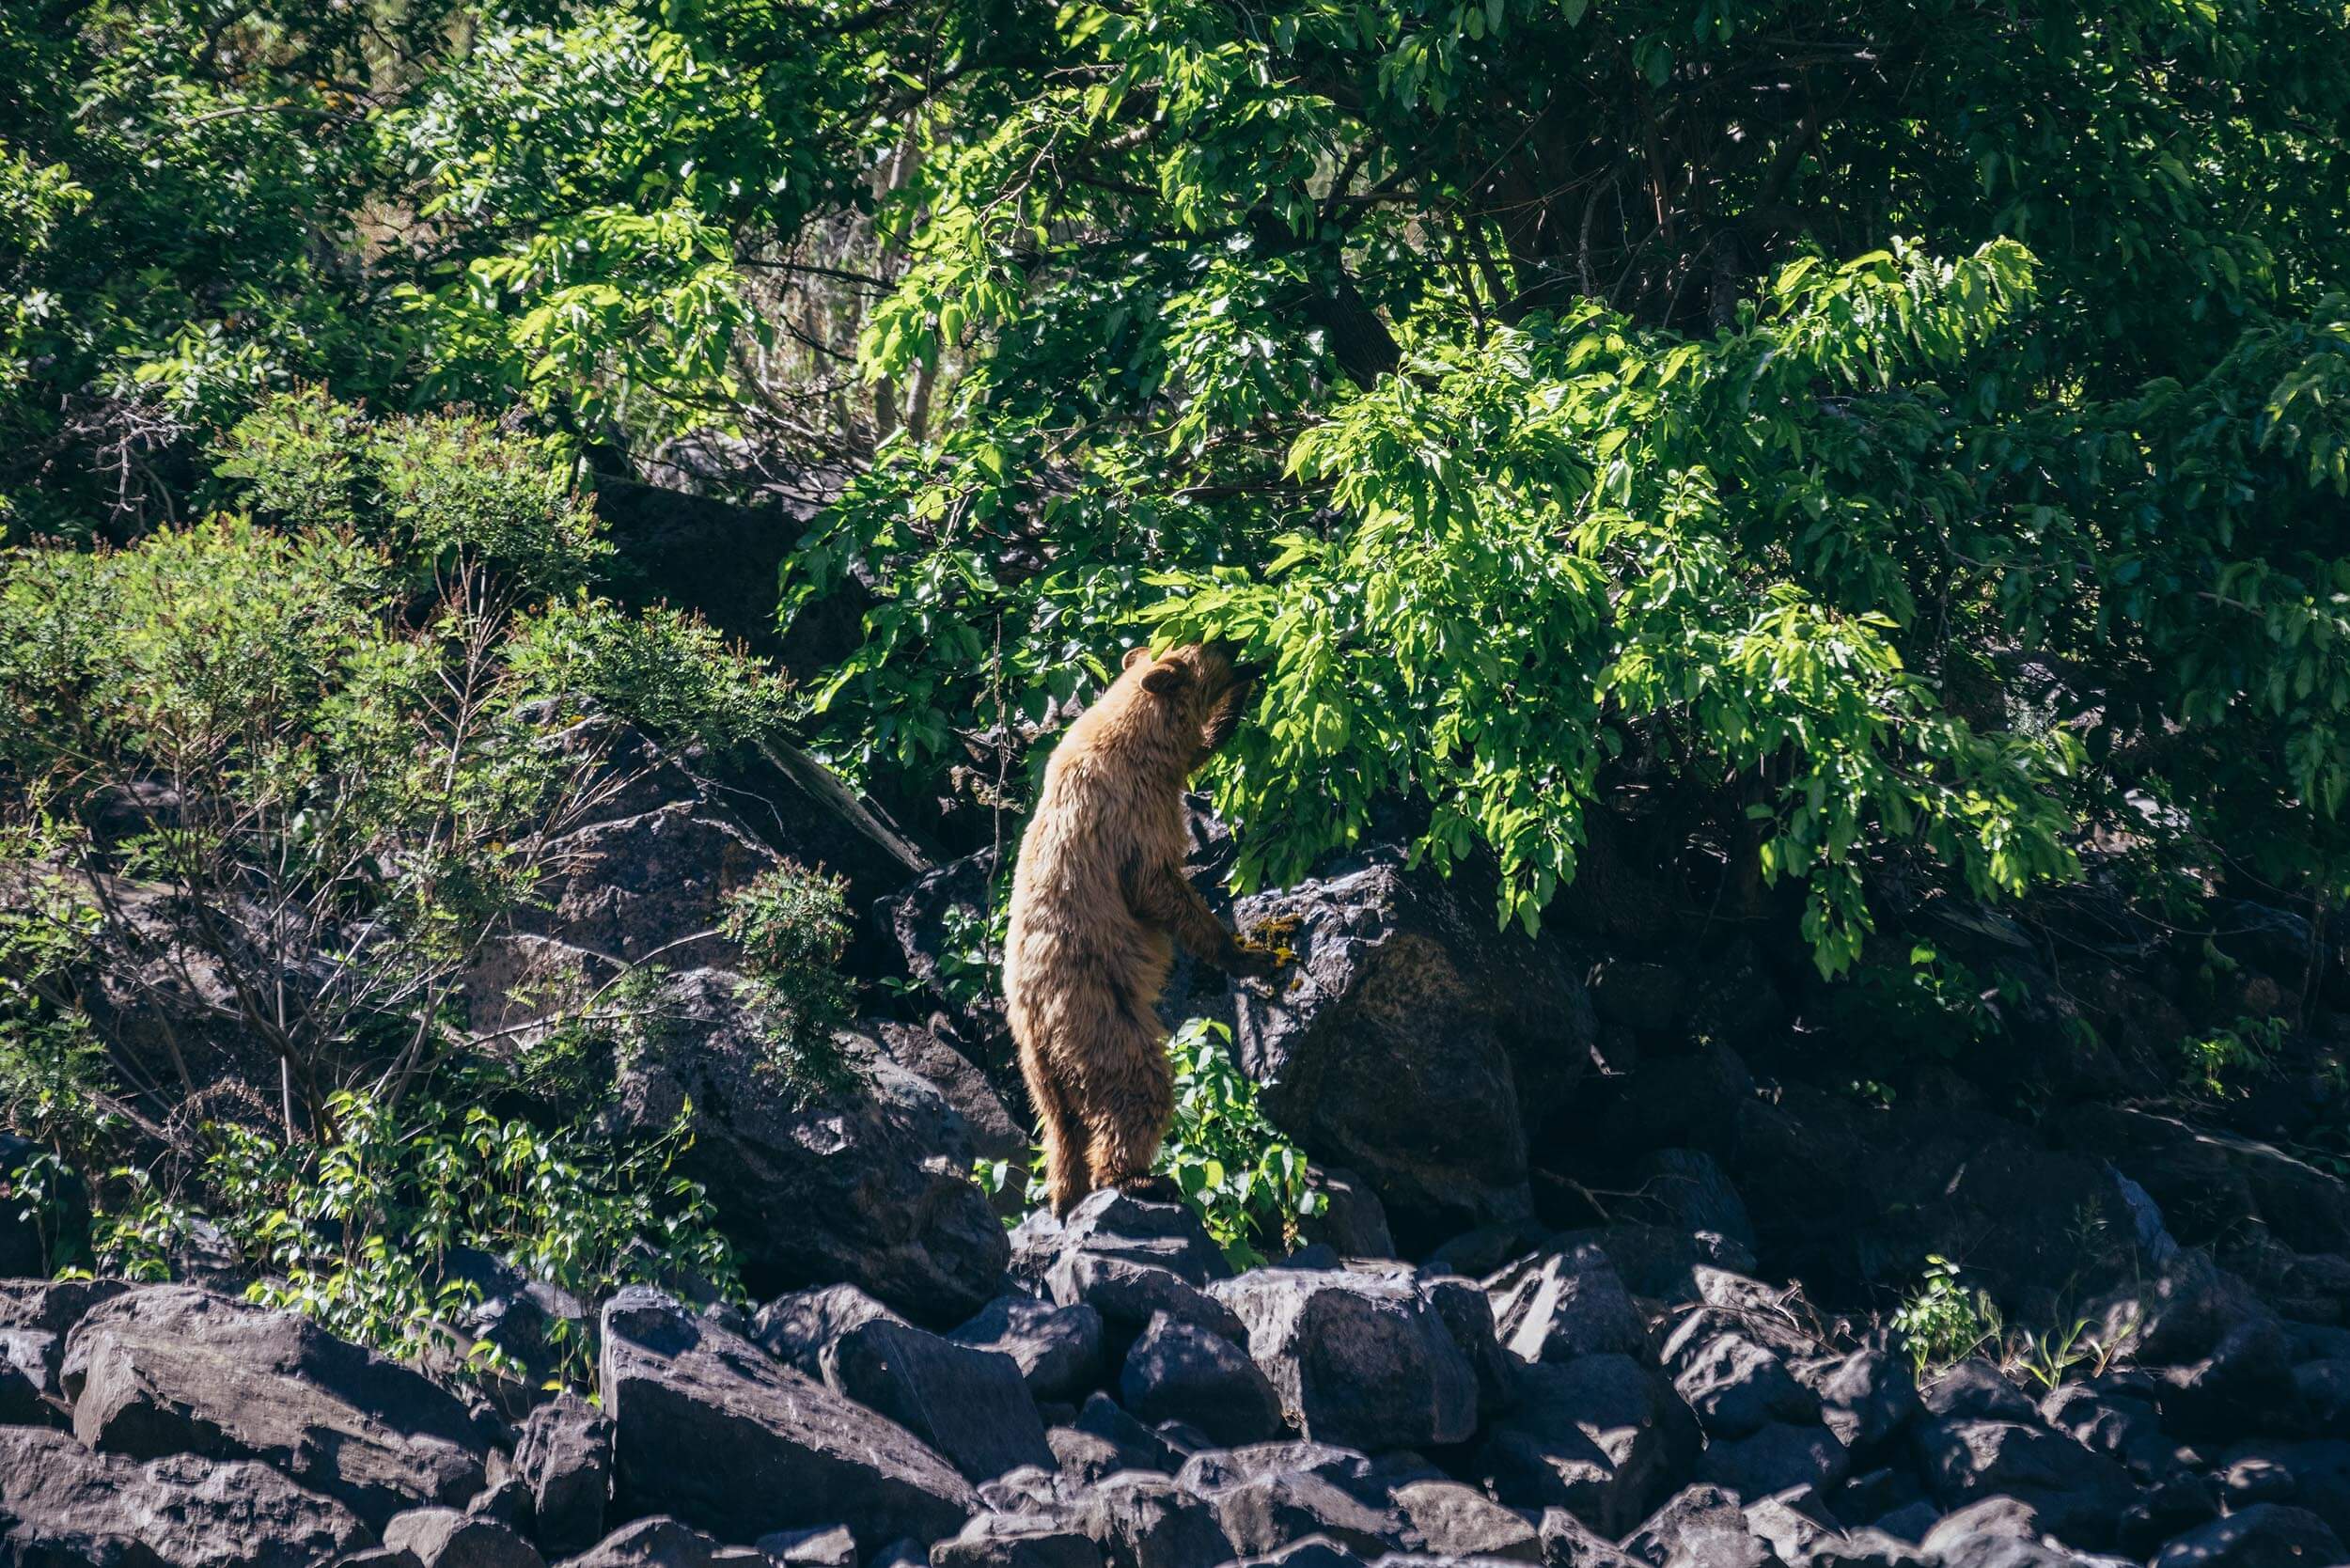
(660, 1542)
(1113, 1223)
(1774, 1457)
(444, 1538)
(1564, 1305)
(1735, 1387)
(799, 1328)
(1265, 1512)
(1086, 1457)
(1602, 1437)
(1801, 1534)
(2112, 1423)
(1467, 1315)
(1871, 1496)
(1974, 1391)
(1350, 1470)
(35, 1315)
(1128, 1294)
(2211, 1184)
(378, 1557)
(2173, 1505)
(1150, 1521)
(1314, 1551)
(2324, 1388)
(2240, 1386)
(970, 1405)
(2265, 1535)
(1569, 1542)
(1989, 1519)
(564, 1460)
(2077, 1493)
(1686, 1189)
(831, 1547)
(1451, 1520)
(1699, 1526)
(867, 1183)
(61, 1504)
(1411, 1042)
(1358, 1359)
(1866, 1398)
(1178, 1371)
(1016, 1541)
(996, 1134)
(709, 1429)
(1142, 1448)
(1352, 1222)
(1658, 1263)
(506, 1502)
(1058, 1349)
(175, 1370)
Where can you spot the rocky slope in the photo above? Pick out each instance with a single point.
(1586, 1194)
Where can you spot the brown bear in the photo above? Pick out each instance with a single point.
(1099, 892)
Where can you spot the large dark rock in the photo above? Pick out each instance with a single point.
(1017, 1541)
(1602, 1437)
(799, 1329)
(2265, 1535)
(1265, 1512)
(2112, 1422)
(1686, 1189)
(1566, 1304)
(1150, 1521)
(1411, 1041)
(35, 1315)
(2080, 1495)
(1778, 1456)
(1058, 1349)
(971, 1405)
(712, 1430)
(1117, 1224)
(1446, 1519)
(1700, 1527)
(1359, 1359)
(61, 1504)
(867, 1183)
(445, 1538)
(564, 1460)
(1127, 1295)
(1866, 1398)
(1179, 1372)
(660, 1542)
(176, 1369)
(1735, 1387)
(1352, 1222)
(2214, 1185)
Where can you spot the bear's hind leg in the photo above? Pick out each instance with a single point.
(1125, 1098)
(1063, 1139)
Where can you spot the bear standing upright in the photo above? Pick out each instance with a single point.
(1099, 892)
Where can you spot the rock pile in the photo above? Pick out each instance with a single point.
(1126, 1401)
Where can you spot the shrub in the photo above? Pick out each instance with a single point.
(670, 673)
(792, 927)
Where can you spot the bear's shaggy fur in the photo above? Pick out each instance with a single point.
(1099, 892)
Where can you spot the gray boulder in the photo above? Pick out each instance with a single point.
(712, 1431)
(445, 1538)
(1150, 1521)
(2265, 1535)
(1058, 1349)
(563, 1459)
(1113, 1223)
(1776, 1457)
(1358, 1359)
(799, 1328)
(1177, 1371)
(1128, 1294)
(2078, 1494)
(1567, 1304)
(1262, 1514)
(1569, 1542)
(660, 1542)
(868, 1181)
(176, 1369)
(34, 1317)
(1602, 1437)
(971, 1405)
(1017, 1541)
(1735, 1387)
(1448, 1519)
(1699, 1526)
(1352, 1222)
(61, 1504)
(1866, 1398)
(1410, 1042)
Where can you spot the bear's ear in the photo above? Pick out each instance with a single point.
(1135, 655)
(1165, 677)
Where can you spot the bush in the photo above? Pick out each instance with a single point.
(791, 925)
(357, 1233)
(667, 672)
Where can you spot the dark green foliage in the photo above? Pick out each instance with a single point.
(791, 926)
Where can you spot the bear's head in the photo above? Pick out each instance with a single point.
(1196, 692)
